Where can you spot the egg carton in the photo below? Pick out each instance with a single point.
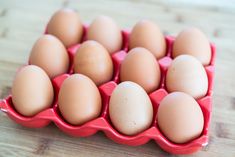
(103, 123)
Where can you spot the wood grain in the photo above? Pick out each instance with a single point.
(22, 22)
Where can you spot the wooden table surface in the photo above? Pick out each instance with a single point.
(22, 22)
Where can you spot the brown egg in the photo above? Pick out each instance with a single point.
(148, 35)
(66, 25)
(140, 66)
(105, 31)
(32, 91)
(79, 100)
(186, 74)
(50, 54)
(193, 42)
(130, 109)
(94, 61)
(180, 118)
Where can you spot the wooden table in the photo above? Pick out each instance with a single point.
(22, 22)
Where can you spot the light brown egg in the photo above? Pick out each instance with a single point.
(130, 108)
(105, 31)
(180, 117)
(32, 91)
(148, 35)
(186, 74)
(94, 61)
(140, 66)
(50, 54)
(66, 25)
(193, 42)
(79, 100)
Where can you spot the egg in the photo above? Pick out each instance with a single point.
(193, 42)
(105, 31)
(140, 66)
(50, 54)
(148, 35)
(180, 117)
(130, 109)
(186, 74)
(79, 100)
(32, 91)
(94, 61)
(66, 25)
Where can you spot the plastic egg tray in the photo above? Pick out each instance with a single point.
(102, 123)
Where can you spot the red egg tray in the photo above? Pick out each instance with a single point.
(102, 123)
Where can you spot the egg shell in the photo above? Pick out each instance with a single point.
(28, 97)
(193, 42)
(104, 30)
(186, 74)
(147, 34)
(130, 108)
(79, 99)
(102, 123)
(50, 54)
(180, 118)
(94, 61)
(66, 25)
(140, 66)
